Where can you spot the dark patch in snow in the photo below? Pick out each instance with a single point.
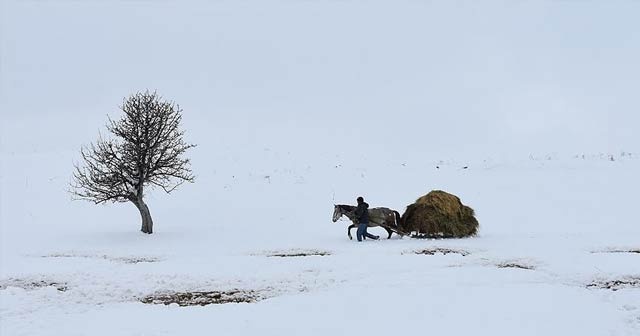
(124, 260)
(136, 260)
(617, 284)
(33, 284)
(297, 253)
(515, 265)
(444, 251)
(185, 299)
(619, 251)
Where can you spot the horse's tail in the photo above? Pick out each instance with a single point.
(398, 219)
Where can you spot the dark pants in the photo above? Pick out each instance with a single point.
(362, 232)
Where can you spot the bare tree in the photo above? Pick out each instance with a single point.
(147, 150)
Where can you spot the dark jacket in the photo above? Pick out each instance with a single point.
(362, 213)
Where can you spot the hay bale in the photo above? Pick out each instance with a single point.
(439, 214)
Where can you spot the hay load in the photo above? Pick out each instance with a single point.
(439, 215)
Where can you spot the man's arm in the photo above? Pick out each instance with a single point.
(359, 211)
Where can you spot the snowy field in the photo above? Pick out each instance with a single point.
(558, 217)
(527, 111)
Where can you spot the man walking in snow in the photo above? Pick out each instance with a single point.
(362, 218)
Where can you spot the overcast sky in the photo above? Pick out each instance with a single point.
(455, 77)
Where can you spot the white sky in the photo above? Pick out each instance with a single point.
(452, 77)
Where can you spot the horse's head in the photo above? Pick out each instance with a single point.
(337, 213)
(340, 209)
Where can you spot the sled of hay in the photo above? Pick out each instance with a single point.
(439, 215)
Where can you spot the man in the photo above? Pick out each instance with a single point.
(362, 218)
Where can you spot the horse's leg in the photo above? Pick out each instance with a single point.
(349, 230)
(389, 232)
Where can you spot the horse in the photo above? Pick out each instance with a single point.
(383, 217)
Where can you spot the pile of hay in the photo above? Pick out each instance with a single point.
(439, 215)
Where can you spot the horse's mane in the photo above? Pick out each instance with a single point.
(346, 207)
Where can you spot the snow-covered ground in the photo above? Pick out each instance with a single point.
(558, 217)
(527, 112)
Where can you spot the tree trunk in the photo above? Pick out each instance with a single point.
(147, 222)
